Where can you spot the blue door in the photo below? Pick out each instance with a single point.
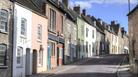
(49, 57)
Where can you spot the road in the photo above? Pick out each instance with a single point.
(105, 66)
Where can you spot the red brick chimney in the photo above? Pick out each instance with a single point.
(77, 9)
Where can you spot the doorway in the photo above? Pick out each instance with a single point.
(27, 64)
(49, 57)
(34, 70)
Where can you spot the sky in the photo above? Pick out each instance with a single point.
(107, 10)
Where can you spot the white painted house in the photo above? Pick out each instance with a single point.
(89, 37)
(22, 41)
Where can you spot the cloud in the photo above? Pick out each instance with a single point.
(88, 3)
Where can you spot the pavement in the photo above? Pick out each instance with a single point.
(124, 69)
(105, 66)
(98, 66)
(61, 68)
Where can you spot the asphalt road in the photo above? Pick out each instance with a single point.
(105, 66)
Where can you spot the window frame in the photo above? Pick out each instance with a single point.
(62, 24)
(25, 27)
(93, 33)
(39, 32)
(21, 57)
(87, 32)
(52, 25)
(6, 20)
(40, 58)
(5, 55)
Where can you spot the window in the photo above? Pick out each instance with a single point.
(19, 55)
(52, 26)
(39, 32)
(86, 47)
(93, 47)
(92, 33)
(89, 48)
(40, 57)
(87, 30)
(23, 26)
(53, 48)
(62, 24)
(3, 20)
(3, 49)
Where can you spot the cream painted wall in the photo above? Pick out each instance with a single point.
(89, 39)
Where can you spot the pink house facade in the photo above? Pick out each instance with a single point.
(39, 43)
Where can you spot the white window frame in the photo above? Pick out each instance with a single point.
(39, 32)
(23, 26)
(4, 15)
(4, 50)
(40, 57)
(19, 56)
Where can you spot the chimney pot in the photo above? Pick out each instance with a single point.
(84, 12)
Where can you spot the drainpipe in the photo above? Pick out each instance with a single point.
(12, 36)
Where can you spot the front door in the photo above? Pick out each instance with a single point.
(27, 64)
(57, 56)
(34, 62)
(49, 58)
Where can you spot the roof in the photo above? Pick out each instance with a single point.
(35, 5)
(58, 5)
(133, 10)
(70, 14)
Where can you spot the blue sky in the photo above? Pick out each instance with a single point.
(107, 10)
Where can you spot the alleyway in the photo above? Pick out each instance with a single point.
(104, 66)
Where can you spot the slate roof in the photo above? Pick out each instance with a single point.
(70, 15)
(35, 5)
(133, 10)
(59, 5)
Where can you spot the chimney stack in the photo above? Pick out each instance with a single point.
(99, 20)
(77, 9)
(88, 15)
(65, 2)
(113, 22)
(84, 12)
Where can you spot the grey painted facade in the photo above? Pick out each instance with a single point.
(70, 36)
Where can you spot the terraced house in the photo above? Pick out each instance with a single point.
(70, 34)
(30, 38)
(89, 35)
(6, 30)
(55, 13)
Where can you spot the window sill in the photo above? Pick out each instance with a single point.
(3, 67)
(38, 40)
(22, 36)
(4, 32)
(19, 67)
(54, 32)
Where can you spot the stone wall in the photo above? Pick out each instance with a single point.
(133, 40)
(6, 38)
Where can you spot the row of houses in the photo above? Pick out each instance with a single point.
(40, 35)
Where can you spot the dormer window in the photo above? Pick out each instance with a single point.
(3, 20)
